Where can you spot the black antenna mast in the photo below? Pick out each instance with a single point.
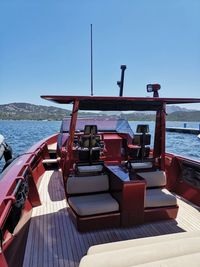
(121, 83)
(91, 47)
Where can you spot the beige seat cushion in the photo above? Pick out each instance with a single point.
(144, 254)
(154, 179)
(87, 184)
(159, 198)
(141, 165)
(90, 168)
(140, 242)
(93, 204)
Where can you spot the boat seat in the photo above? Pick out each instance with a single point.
(89, 197)
(180, 249)
(139, 148)
(156, 195)
(90, 144)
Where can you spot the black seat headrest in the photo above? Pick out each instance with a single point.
(142, 128)
(90, 129)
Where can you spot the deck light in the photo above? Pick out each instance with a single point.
(153, 88)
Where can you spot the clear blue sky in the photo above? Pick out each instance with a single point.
(44, 47)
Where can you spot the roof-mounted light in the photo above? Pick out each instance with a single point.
(153, 88)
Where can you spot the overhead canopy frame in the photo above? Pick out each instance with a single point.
(119, 103)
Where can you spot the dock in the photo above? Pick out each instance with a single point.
(183, 130)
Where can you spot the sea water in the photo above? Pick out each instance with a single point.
(21, 135)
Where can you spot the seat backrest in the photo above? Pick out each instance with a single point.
(85, 141)
(95, 141)
(142, 139)
(90, 129)
(87, 184)
(154, 178)
(142, 128)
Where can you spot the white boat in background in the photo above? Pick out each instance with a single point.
(5, 151)
(2, 148)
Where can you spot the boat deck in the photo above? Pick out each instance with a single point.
(54, 241)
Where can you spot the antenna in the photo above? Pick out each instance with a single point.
(91, 57)
(121, 83)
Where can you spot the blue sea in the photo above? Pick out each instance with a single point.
(21, 135)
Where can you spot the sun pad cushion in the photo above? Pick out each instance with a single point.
(112, 246)
(148, 254)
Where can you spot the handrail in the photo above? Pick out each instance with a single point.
(6, 210)
(12, 198)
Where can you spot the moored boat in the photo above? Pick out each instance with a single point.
(96, 182)
(5, 152)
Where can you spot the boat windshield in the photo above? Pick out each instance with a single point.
(103, 125)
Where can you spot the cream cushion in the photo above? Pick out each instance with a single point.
(90, 168)
(87, 184)
(154, 179)
(141, 165)
(159, 198)
(140, 242)
(144, 254)
(93, 204)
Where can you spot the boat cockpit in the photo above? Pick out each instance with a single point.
(112, 177)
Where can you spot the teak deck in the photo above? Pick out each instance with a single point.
(54, 241)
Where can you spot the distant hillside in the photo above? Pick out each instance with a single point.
(171, 109)
(25, 111)
(184, 116)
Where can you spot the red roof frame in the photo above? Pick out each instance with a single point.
(118, 103)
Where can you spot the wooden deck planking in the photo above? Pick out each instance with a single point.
(54, 241)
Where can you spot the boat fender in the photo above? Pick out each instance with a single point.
(8, 152)
(17, 207)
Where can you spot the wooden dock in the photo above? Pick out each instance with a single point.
(183, 130)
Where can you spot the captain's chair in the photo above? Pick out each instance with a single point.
(84, 148)
(89, 149)
(142, 139)
(90, 129)
(139, 150)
